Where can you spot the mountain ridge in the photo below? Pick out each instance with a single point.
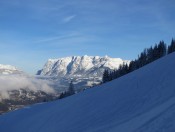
(85, 71)
(73, 65)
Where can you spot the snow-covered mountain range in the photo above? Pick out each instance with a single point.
(141, 101)
(80, 66)
(85, 71)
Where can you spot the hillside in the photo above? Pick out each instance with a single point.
(142, 101)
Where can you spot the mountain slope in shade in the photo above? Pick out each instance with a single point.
(142, 101)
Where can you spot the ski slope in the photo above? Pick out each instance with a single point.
(142, 101)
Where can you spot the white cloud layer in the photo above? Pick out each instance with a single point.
(16, 82)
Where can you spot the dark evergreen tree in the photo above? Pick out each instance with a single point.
(61, 96)
(171, 47)
(116, 74)
(162, 49)
(124, 69)
(106, 76)
(64, 94)
(142, 59)
(111, 76)
(155, 52)
(71, 90)
(150, 55)
(132, 66)
(147, 56)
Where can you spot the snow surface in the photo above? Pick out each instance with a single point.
(142, 101)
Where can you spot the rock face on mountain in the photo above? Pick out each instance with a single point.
(82, 66)
(85, 71)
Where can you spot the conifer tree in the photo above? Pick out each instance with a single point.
(162, 49)
(106, 76)
(147, 56)
(71, 88)
(150, 53)
(171, 47)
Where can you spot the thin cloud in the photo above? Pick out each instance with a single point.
(49, 39)
(61, 37)
(68, 18)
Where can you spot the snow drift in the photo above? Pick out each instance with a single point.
(142, 101)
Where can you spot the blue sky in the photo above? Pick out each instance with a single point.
(32, 31)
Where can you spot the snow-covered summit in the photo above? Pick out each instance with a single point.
(80, 65)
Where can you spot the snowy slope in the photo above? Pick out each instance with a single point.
(142, 101)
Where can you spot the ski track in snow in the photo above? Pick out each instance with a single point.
(139, 121)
